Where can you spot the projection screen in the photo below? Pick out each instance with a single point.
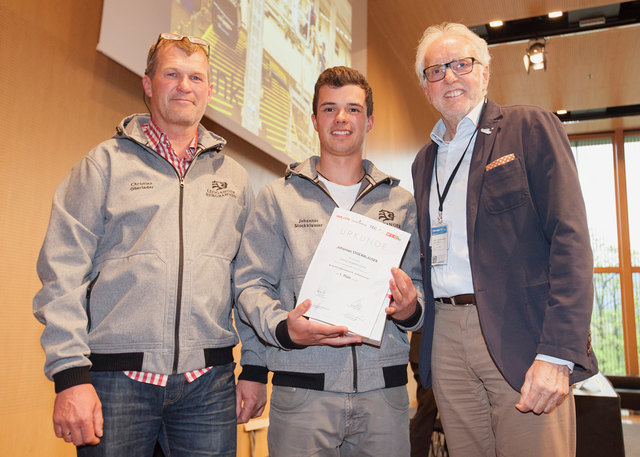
(265, 57)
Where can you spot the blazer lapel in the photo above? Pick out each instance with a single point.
(429, 163)
(487, 134)
(422, 189)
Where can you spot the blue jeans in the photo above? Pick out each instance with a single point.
(184, 418)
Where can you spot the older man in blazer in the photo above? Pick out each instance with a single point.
(507, 263)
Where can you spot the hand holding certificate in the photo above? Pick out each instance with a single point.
(348, 278)
(307, 332)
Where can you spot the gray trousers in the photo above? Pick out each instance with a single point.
(476, 404)
(306, 422)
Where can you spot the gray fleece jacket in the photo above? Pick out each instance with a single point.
(280, 239)
(136, 264)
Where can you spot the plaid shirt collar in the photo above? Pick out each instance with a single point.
(161, 144)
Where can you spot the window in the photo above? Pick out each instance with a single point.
(632, 168)
(594, 160)
(614, 227)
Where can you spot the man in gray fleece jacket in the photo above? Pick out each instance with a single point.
(332, 395)
(136, 268)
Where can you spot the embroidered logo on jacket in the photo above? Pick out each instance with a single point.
(219, 189)
(387, 217)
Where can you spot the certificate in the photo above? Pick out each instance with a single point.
(348, 277)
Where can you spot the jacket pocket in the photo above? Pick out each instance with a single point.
(207, 301)
(287, 399)
(505, 187)
(128, 302)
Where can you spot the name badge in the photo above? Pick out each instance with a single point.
(439, 244)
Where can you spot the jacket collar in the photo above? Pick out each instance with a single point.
(131, 127)
(307, 170)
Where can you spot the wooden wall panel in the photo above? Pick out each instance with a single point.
(403, 117)
(59, 98)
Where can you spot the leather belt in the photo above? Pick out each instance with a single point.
(460, 300)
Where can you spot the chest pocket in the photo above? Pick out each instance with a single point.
(505, 187)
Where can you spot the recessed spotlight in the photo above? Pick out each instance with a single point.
(496, 24)
(535, 56)
(555, 14)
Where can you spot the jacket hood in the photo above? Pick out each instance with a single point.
(131, 127)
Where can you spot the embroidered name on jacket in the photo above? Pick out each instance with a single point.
(219, 189)
(308, 223)
(141, 185)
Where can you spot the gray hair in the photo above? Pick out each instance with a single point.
(434, 32)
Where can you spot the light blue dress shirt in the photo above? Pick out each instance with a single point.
(454, 278)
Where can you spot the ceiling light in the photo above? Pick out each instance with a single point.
(495, 23)
(535, 58)
(554, 14)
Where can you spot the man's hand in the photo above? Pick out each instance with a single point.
(405, 296)
(77, 415)
(308, 333)
(545, 387)
(251, 398)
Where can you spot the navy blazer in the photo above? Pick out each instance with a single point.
(529, 247)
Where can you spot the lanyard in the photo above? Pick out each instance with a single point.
(442, 196)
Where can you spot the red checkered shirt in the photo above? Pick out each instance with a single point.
(161, 144)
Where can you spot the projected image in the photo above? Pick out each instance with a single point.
(265, 58)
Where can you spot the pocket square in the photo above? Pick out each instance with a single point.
(500, 161)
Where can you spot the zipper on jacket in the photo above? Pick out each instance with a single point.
(355, 367)
(176, 336)
(369, 188)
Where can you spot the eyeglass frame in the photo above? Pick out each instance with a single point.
(177, 37)
(448, 65)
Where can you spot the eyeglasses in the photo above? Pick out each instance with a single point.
(459, 67)
(178, 37)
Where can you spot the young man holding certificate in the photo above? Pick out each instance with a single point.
(333, 394)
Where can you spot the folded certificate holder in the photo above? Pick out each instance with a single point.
(348, 277)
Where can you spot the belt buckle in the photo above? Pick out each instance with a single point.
(452, 301)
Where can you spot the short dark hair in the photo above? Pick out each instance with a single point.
(343, 76)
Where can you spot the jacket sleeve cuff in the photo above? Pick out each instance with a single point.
(282, 334)
(71, 377)
(254, 373)
(410, 321)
